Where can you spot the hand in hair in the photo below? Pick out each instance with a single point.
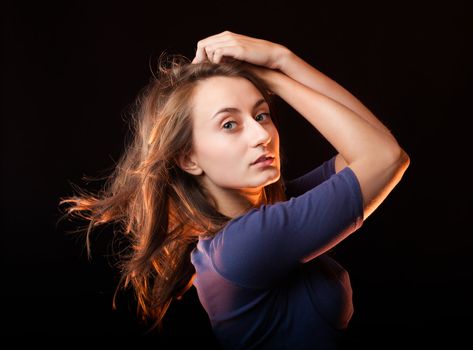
(228, 45)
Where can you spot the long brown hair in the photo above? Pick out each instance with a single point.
(161, 209)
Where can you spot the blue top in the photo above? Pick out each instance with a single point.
(264, 279)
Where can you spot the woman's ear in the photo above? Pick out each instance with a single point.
(189, 164)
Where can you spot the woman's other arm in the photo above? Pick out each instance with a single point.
(298, 69)
(372, 153)
(276, 56)
(363, 142)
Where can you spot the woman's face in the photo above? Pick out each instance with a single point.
(232, 128)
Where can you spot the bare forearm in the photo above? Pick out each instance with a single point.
(353, 136)
(372, 154)
(299, 70)
(362, 141)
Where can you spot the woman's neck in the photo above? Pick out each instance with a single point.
(236, 202)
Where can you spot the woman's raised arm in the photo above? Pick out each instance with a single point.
(363, 142)
(373, 154)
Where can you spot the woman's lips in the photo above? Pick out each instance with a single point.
(265, 161)
(263, 157)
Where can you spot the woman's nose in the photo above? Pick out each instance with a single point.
(258, 134)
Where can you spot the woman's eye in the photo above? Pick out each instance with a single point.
(228, 125)
(262, 116)
(231, 125)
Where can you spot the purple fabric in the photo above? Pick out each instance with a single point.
(266, 281)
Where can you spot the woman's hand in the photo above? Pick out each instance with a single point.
(259, 52)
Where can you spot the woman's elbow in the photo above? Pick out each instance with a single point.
(406, 160)
(397, 156)
(402, 159)
(376, 184)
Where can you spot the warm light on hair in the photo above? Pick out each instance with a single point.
(161, 209)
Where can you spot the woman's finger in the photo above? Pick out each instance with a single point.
(227, 51)
(206, 46)
(220, 38)
(200, 55)
(214, 47)
(204, 51)
(209, 53)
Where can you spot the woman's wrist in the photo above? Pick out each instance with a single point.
(284, 56)
(275, 79)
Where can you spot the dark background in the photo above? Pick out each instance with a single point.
(71, 69)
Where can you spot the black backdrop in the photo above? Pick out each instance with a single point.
(69, 71)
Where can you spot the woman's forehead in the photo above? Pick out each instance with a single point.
(216, 93)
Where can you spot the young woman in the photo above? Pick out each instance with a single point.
(199, 193)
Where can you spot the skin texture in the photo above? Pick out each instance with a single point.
(362, 141)
(226, 144)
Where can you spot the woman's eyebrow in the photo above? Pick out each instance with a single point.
(236, 110)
